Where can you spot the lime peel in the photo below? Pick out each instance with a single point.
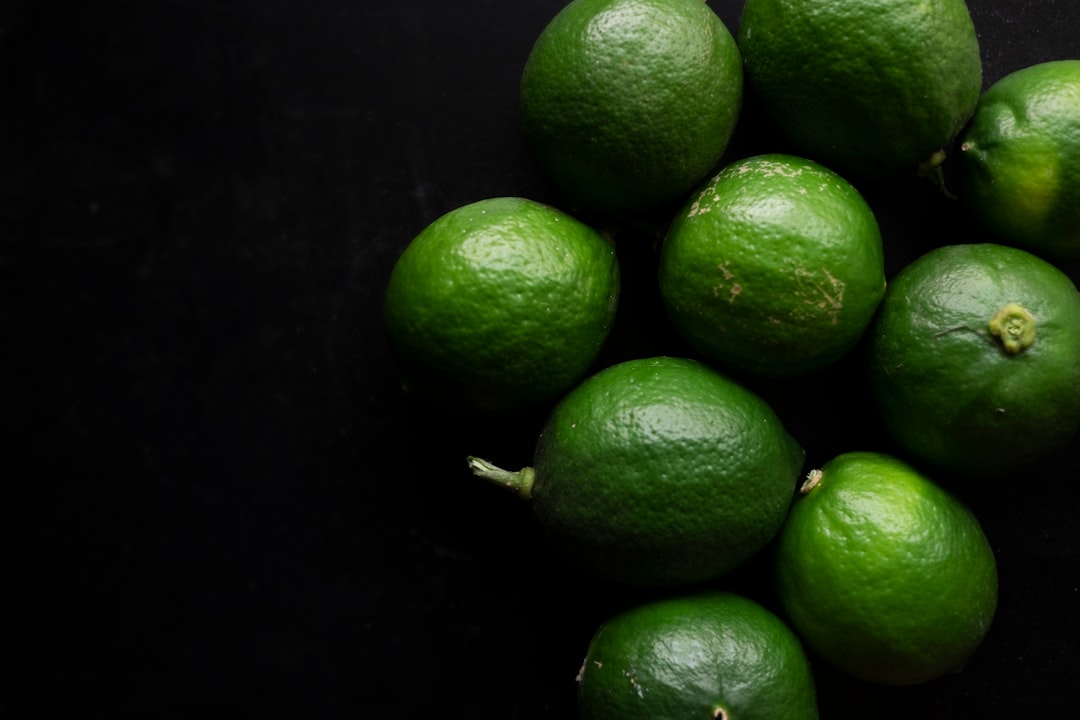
(1014, 326)
(520, 482)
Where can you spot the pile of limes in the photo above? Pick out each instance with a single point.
(670, 472)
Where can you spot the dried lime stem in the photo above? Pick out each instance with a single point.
(521, 482)
(813, 478)
(1014, 327)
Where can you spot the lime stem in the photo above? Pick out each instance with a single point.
(932, 169)
(1014, 326)
(813, 478)
(520, 482)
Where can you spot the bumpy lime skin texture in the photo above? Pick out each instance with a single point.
(774, 267)
(948, 388)
(885, 574)
(629, 104)
(713, 655)
(500, 306)
(663, 472)
(871, 88)
(1019, 167)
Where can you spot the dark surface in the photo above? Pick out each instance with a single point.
(216, 498)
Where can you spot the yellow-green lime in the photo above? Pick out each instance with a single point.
(868, 87)
(657, 472)
(627, 104)
(1018, 171)
(975, 359)
(883, 573)
(500, 305)
(711, 655)
(774, 267)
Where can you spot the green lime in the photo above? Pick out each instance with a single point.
(500, 305)
(975, 358)
(868, 87)
(775, 267)
(659, 471)
(883, 573)
(627, 104)
(713, 655)
(1019, 167)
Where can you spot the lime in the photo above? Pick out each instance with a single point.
(659, 471)
(500, 305)
(883, 573)
(975, 358)
(712, 655)
(868, 87)
(775, 267)
(1019, 167)
(627, 104)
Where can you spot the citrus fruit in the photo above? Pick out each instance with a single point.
(500, 305)
(868, 87)
(883, 573)
(627, 104)
(1018, 171)
(975, 358)
(711, 655)
(658, 471)
(774, 267)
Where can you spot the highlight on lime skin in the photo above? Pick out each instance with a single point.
(1014, 326)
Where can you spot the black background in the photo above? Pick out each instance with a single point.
(216, 499)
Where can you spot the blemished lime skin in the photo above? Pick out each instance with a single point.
(870, 88)
(1018, 172)
(627, 104)
(883, 573)
(774, 267)
(500, 305)
(711, 655)
(659, 472)
(974, 359)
